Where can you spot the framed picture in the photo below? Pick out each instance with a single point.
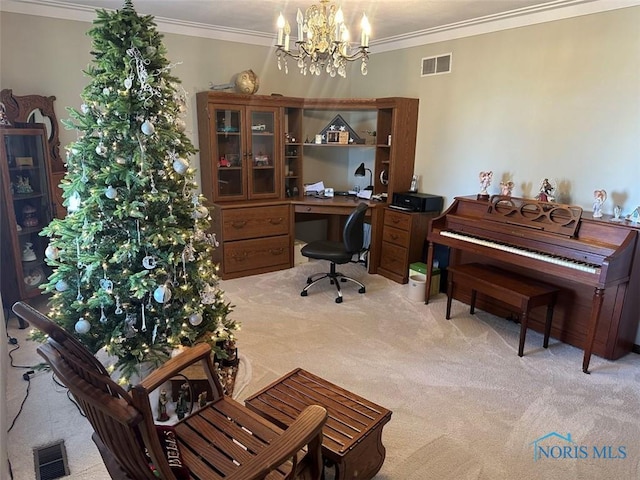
(24, 162)
(333, 136)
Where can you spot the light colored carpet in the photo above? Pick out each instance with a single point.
(465, 406)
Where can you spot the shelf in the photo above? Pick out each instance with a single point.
(347, 145)
(29, 230)
(26, 196)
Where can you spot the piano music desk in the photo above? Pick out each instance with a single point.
(517, 291)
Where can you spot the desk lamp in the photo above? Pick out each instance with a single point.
(361, 171)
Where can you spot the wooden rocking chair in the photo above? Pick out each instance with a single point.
(223, 440)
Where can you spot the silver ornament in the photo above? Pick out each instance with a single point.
(162, 294)
(147, 128)
(195, 319)
(149, 262)
(180, 165)
(52, 253)
(101, 149)
(61, 285)
(82, 326)
(111, 192)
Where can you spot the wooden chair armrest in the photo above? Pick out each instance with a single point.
(173, 366)
(305, 430)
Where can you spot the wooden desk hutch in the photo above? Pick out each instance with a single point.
(252, 150)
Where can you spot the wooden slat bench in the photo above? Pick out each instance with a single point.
(520, 292)
(353, 431)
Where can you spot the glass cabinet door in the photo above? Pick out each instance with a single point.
(262, 153)
(229, 177)
(27, 208)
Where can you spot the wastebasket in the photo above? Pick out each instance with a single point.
(416, 287)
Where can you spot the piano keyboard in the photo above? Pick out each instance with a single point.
(565, 262)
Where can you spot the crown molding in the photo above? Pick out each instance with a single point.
(547, 12)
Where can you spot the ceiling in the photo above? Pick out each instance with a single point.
(254, 21)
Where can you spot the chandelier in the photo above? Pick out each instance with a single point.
(323, 42)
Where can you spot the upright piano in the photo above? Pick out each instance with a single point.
(594, 262)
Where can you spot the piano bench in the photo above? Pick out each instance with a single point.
(520, 292)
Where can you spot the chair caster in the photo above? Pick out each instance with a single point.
(309, 280)
(361, 290)
(339, 300)
(304, 293)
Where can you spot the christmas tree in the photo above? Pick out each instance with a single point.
(132, 268)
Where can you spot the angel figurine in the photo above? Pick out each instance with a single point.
(547, 191)
(506, 188)
(599, 197)
(485, 182)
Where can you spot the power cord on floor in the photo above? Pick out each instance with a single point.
(26, 376)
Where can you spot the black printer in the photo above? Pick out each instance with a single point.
(416, 202)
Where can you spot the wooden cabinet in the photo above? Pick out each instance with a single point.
(404, 238)
(253, 146)
(25, 175)
(256, 154)
(241, 145)
(396, 136)
(254, 238)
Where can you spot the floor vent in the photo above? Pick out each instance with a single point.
(436, 65)
(51, 461)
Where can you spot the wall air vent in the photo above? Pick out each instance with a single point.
(51, 461)
(436, 65)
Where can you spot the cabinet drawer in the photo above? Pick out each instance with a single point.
(395, 236)
(393, 258)
(254, 222)
(397, 219)
(255, 254)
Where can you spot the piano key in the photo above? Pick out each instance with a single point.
(565, 262)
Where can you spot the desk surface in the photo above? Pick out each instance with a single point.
(338, 200)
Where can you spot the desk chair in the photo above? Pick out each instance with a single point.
(338, 253)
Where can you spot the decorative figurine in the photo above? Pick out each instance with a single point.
(600, 196)
(162, 406)
(4, 121)
(28, 255)
(30, 219)
(617, 211)
(414, 184)
(202, 399)
(485, 182)
(506, 188)
(23, 185)
(547, 191)
(181, 407)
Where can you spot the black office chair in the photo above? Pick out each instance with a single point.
(338, 253)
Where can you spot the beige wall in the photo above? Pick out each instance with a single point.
(559, 99)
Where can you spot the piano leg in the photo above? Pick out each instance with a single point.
(596, 306)
(427, 287)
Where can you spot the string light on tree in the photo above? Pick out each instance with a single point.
(120, 279)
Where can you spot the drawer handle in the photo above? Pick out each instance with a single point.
(395, 220)
(240, 257)
(394, 236)
(239, 223)
(309, 209)
(276, 251)
(276, 221)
